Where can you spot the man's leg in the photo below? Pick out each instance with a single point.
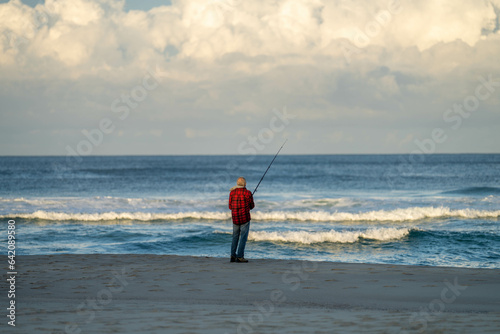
(244, 228)
(236, 237)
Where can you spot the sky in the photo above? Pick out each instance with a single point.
(102, 77)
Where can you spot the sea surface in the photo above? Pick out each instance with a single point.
(437, 210)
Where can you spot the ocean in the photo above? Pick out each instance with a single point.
(435, 210)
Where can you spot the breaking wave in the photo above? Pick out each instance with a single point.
(305, 237)
(139, 216)
(397, 215)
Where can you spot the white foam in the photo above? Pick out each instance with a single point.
(397, 215)
(306, 237)
(140, 216)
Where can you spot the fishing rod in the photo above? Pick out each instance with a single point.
(262, 178)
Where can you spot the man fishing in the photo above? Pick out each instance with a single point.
(240, 204)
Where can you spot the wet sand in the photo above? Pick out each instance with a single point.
(180, 294)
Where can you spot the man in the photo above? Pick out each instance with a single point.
(240, 204)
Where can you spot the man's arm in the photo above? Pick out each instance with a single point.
(252, 204)
(230, 200)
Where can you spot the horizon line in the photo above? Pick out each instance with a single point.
(243, 155)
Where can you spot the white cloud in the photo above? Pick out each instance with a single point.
(91, 33)
(227, 63)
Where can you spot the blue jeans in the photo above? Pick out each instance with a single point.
(240, 236)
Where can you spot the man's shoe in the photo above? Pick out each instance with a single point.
(241, 260)
(233, 259)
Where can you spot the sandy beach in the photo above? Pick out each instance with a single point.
(177, 294)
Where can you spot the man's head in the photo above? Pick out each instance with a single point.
(241, 182)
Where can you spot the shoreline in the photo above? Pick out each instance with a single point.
(105, 293)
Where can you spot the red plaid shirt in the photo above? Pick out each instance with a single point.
(240, 204)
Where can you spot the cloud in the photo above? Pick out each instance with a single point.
(224, 64)
(101, 33)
